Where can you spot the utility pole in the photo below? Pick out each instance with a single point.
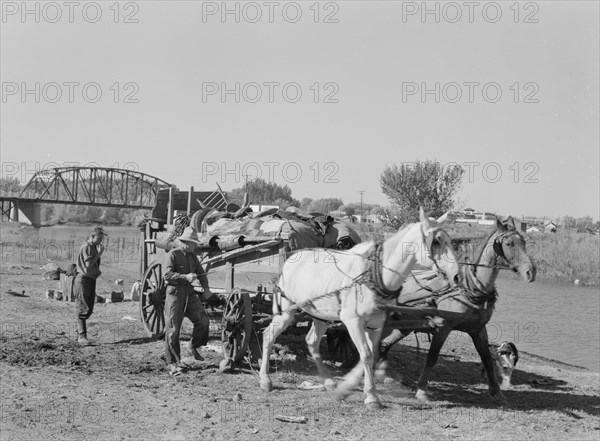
(362, 219)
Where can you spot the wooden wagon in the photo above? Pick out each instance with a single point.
(242, 278)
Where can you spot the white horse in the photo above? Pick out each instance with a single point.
(354, 287)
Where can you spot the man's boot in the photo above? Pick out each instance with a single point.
(82, 331)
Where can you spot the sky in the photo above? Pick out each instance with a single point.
(318, 96)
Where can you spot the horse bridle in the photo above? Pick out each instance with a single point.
(497, 247)
(428, 241)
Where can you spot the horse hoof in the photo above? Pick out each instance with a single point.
(380, 375)
(341, 394)
(226, 366)
(266, 385)
(421, 395)
(500, 400)
(373, 405)
(329, 384)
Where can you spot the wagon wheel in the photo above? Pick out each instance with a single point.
(236, 325)
(152, 301)
(341, 348)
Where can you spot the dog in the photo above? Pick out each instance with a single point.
(505, 359)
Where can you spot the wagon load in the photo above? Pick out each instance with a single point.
(220, 231)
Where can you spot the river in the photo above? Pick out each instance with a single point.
(553, 320)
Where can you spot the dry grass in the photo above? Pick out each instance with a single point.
(566, 256)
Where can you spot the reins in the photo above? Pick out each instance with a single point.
(497, 247)
(506, 267)
(472, 292)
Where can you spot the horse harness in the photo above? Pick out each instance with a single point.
(372, 277)
(472, 293)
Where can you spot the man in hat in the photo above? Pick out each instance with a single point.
(88, 270)
(182, 272)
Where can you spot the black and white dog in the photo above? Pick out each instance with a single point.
(505, 359)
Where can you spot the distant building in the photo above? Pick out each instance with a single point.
(521, 226)
(368, 218)
(349, 218)
(372, 219)
(533, 220)
(550, 227)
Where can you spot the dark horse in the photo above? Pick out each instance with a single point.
(474, 301)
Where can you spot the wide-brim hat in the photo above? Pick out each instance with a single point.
(98, 229)
(189, 235)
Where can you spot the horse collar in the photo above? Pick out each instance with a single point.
(374, 276)
(475, 293)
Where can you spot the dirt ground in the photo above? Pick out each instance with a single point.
(119, 388)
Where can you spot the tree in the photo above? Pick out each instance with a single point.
(390, 217)
(305, 203)
(263, 192)
(10, 185)
(349, 209)
(324, 205)
(354, 208)
(112, 215)
(583, 222)
(422, 183)
(569, 222)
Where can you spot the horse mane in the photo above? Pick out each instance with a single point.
(482, 245)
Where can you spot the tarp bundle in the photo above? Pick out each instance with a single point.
(315, 232)
(226, 231)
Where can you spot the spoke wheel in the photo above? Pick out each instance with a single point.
(152, 301)
(341, 348)
(236, 325)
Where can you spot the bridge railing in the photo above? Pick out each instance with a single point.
(17, 194)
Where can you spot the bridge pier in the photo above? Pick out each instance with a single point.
(15, 212)
(31, 210)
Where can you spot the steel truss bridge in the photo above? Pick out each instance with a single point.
(96, 186)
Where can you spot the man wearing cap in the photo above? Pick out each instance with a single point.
(182, 271)
(88, 270)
